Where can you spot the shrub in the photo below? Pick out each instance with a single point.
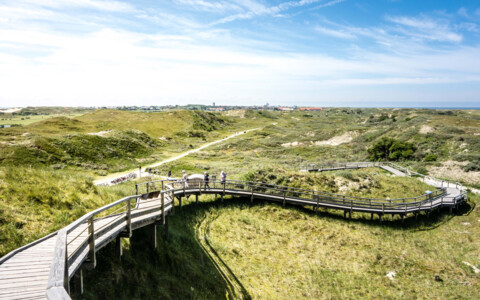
(422, 170)
(430, 157)
(472, 166)
(391, 149)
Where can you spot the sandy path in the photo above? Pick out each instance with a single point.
(112, 177)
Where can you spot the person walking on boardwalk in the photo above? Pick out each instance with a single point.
(185, 178)
(206, 179)
(223, 177)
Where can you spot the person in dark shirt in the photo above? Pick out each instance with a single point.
(206, 179)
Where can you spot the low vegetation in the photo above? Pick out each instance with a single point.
(47, 169)
(38, 201)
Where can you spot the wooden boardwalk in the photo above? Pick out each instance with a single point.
(43, 269)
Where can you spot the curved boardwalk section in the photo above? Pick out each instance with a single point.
(44, 268)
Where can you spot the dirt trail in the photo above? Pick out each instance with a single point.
(114, 177)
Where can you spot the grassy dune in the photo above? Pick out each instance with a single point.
(35, 202)
(280, 254)
(291, 253)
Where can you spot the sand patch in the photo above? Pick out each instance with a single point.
(236, 113)
(101, 133)
(292, 144)
(338, 140)
(10, 110)
(426, 129)
(453, 170)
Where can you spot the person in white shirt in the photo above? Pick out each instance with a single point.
(223, 177)
(185, 177)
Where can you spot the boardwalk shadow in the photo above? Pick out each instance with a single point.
(178, 269)
(421, 222)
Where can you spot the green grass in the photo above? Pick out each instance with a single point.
(274, 252)
(35, 202)
(280, 253)
(288, 253)
(27, 120)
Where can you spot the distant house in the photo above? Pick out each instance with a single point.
(218, 109)
(310, 108)
(285, 108)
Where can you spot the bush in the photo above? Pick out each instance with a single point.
(422, 170)
(391, 149)
(430, 157)
(472, 167)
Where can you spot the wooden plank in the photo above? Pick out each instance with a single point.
(40, 294)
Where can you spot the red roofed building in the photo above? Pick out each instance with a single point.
(310, 108)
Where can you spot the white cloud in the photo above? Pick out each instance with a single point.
(462, 11)
(272, 10)
(214, 6)
(105, 5)
(119, 67)
(335, 33)
(426, 29)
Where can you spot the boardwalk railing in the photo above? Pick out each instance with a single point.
(310, 167)
(77, 243)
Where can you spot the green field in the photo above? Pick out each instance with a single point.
(46, 181)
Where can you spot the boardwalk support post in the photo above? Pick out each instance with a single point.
(153, 232)
(284, 195)
(251, 198)
(78, 281)
(166, 227)
(118, 247)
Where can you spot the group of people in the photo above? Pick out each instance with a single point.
(206, 178)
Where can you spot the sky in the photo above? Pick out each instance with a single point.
(380, 53)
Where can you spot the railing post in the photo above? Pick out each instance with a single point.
(251, 198)
(129, 218)
(284, 195)
(148, 189)
(173, 203)
(184, 195)
(66, 280)
(163, 207)
(91, 243)
(351, 209)
(136, 189)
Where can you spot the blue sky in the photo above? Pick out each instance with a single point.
(388, 53)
